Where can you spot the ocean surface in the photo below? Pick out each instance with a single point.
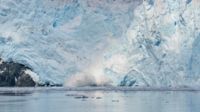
(97, 100)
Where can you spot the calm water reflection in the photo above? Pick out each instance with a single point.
(101, 101)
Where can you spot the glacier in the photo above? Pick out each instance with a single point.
(104, 42)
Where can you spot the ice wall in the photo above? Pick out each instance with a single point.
(104, 42)
(164, 43)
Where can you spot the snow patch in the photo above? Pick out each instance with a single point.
(33, 75)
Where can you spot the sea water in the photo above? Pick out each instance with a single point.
(97, 100)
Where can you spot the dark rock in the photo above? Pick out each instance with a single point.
(12, 74)
(98, 97)
(25, 80)
(49, 84)
(81, 97)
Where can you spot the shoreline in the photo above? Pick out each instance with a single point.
(27, 90)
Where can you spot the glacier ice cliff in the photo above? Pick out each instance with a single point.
(104, 42)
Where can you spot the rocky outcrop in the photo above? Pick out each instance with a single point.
(25, 81)
(13, 74)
